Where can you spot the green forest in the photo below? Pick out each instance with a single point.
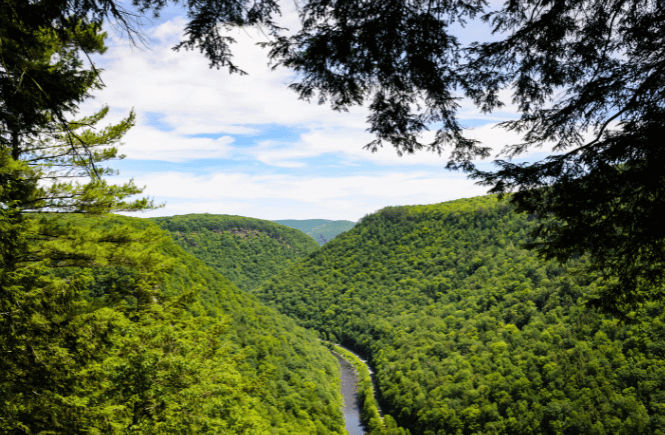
(469, 333)
(535, 310)
(206, 358)
(245, 250)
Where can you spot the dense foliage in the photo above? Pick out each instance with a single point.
(321, 230)
(52, 168)
(469, 333)
(369, 408)
(245, 250)
(205, 357)
(291, 379)
(107, 326)
(571, 67)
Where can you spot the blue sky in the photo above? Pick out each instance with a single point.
(210, 142)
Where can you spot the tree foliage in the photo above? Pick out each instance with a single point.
(572, 67)
(203, 357)
(106, 326)
(50, 170)
(42, 77)
(291, 380)
(467, 332)
(245, 250)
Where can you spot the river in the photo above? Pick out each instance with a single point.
(349, 393)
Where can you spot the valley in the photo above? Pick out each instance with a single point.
(536, 309)
(470, 333)
(466, 331)
(321, 230)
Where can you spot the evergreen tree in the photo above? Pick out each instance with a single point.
(49, 171)
(95, 336)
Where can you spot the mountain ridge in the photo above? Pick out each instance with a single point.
(245, 250)
(469, 333)
(321, 230)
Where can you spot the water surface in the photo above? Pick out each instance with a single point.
(350, 395)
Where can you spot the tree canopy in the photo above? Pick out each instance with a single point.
(245, 250)
(469, 333)
(571, 67)
(49, 171)
(106, 325)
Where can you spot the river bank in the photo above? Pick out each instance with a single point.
(351, 410)
(368, 406)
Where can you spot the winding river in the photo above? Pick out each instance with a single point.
(349, 393)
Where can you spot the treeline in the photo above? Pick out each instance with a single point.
(200, 356)
(245, 250)
(471, 334)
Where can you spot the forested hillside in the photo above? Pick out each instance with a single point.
(245, 250)
(201, 357)
(321, 230)
(468, 333)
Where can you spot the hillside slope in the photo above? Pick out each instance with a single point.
(470, 334)
(202, 357)
(245, 250)
(321, 230)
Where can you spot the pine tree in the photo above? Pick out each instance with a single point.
(51, 174)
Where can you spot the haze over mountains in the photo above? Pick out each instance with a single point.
(321, 230)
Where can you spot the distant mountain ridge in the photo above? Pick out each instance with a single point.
(245, 250)
(321, 230)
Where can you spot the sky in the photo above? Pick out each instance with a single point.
(207, 141)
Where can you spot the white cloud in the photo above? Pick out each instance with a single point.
(183, 87)
(194, 99)
(146, 143)
(348, 143)
(281, 196)
(191, 99)
(188, 125)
